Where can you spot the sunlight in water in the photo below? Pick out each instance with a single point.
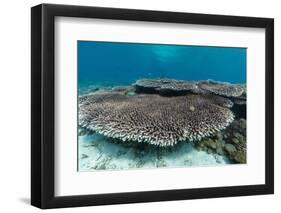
(165, 53)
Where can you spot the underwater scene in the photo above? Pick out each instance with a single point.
(148, 106)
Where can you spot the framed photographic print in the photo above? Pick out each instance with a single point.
(139, 106)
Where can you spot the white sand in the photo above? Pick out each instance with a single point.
(100, 153)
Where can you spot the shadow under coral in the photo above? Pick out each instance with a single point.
(97, 152)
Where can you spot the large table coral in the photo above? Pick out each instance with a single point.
(171, 87)
(154, 119)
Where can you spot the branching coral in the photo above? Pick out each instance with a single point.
(224, 89)
(167, 87)
(162, 121)
(171, 87)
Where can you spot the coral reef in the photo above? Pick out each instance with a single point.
(230, 142)
(160, 114)
(162, 121)
(236, 93)
(166, 87)
(223, 89)
(171, 87)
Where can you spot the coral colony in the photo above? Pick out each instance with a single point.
(162, 112)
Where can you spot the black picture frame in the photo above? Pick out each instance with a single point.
(43, 117)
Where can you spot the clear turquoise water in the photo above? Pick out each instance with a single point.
(110, 64)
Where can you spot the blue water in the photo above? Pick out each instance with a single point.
(109, 63)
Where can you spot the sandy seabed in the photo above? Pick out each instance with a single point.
(97, 152)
